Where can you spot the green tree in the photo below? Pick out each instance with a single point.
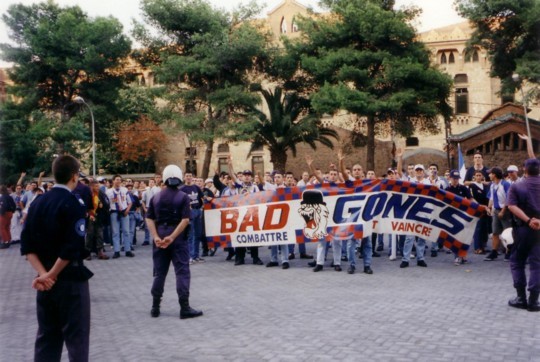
(510, 32)
(204, 57)
(366, 60)
(290, 121)
(59, 53)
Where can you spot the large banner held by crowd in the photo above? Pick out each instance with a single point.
(342, 211)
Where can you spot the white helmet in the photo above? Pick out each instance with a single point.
(506, 237)
(170, 173)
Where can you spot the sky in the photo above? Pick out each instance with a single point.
(436, 13)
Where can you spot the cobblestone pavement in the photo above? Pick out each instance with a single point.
(253, 313)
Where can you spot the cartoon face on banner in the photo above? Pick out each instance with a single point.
(315, 213)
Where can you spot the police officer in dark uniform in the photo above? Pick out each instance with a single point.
(167, 219)
(524, 204)
(53, 242)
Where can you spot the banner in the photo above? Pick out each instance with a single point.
(342, 211)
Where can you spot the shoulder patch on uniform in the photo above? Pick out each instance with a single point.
(80, 227)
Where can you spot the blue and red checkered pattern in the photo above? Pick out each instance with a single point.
(361, 186)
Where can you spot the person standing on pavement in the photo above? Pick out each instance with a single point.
(7, 208)
(500, 217)
(524, 204)
(196, 221)
(120, 205)
(98, 216)
(53, 242)
(168, 218)
(461, 190)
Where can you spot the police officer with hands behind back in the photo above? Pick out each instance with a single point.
(167, 220)
(53, 242)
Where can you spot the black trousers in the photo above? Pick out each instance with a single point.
(241, 252)
(63, 315)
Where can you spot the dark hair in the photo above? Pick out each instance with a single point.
(436, 166)
(64, 167)
(115, 176)
(532, 166)
(497, 172)
(478, 153)
(4, 190)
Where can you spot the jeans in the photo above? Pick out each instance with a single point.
(118, 222)
(195, 233)
(336, 251)
(366, 248)
(301, 248)
(132, 226)
(407, 248)
(481, 232)
(284, 253)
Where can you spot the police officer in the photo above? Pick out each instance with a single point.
(524, 204)
(53, 242)
(167, 220)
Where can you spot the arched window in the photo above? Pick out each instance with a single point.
(475, 57)
(461, 79)
(443, 58)
(451, 58)
(223, 148)
(294, 27)
(283, 26)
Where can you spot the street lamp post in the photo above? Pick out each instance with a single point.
(80, 100)
(516, 78)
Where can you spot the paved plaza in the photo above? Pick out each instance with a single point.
(253, 313)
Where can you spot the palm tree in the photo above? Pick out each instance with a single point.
(291, 121)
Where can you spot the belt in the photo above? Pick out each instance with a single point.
(169, 223)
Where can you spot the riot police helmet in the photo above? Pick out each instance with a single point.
(172, 175)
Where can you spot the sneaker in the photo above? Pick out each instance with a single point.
(380, 248)
(404, 264)
(433, 253)
(285, 265)
(116, 255)
(491, 256)
(317, 268)
(198, 260)
(271, 264)
(191, 261)
(344, 258)
(351, 269)
(368, 270)
(306, 256)
(421, 263)
(458, 261)
(291, 256)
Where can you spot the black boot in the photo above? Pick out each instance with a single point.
(533, 305)
(521, 300)
(186, 311)
(154, 312)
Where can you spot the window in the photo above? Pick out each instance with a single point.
(223, 148)
(443, 58)
(223, 165)
(461, 79)
(451, 58)
(412, 141)
(462, 101)
(257, 165)
(191, 151)
(294, 27)
(283, 26)
(475, 57)
(191, 166)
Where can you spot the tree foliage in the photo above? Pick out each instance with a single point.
(139, 142)
(58, 53)
(366, 60)
(204, 57)
(510, 31)
(290, 121)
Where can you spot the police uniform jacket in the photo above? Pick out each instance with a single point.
(55, 228)
(169, 207)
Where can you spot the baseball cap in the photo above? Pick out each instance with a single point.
(247, 172)
(419, 167)
(208, 180)
(512, 168)
(455, 174)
